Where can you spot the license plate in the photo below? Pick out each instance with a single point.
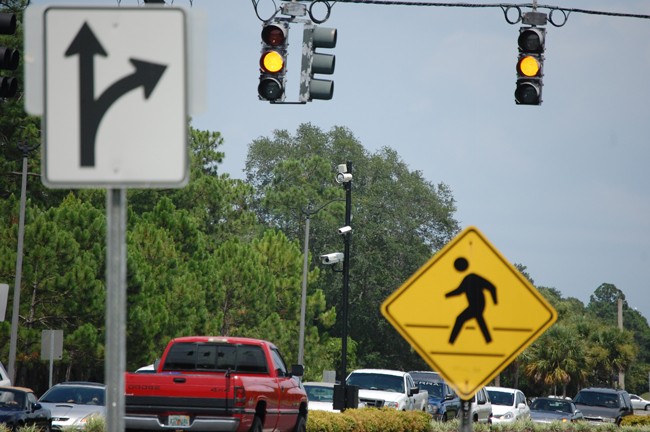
(178, 420)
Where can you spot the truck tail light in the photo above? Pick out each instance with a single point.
(240, 396)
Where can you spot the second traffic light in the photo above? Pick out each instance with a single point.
(530, 66)
(317, 63)
(9, 57)
(273, 61)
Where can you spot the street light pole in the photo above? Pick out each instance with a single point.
(305, 268)
(303, 298)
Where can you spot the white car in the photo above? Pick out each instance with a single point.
(481, 407)
(638, 403)
(320, 396)
(74, 403)
(508, 405)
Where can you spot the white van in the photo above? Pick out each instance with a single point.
(4, 376)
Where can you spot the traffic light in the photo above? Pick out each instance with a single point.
(9, 57)
(317, 63)
(273, 61)
(530, 66)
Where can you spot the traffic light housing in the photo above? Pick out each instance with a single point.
(530, 65)
(273, 61)
(317, 63)
(9, 57)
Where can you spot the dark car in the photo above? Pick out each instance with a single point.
(19, 407)
(548, 410)
(443, 404)
(603, 405)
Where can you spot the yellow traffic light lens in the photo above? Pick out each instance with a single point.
(528, 66)
(272, 61)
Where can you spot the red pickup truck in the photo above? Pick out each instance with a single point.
(217, 383)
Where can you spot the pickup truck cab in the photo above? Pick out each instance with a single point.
(388, 388)
(215, 383)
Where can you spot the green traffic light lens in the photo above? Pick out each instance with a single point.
(528, 66)
(270, 89)
(527, 93)
(272, 61)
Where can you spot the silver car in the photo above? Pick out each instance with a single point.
(74, 403)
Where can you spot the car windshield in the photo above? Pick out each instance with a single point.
(501, 398)
(319, 393)
(12, 400)
(371, 381)
(74, 395)
(434, 389)
(551, 405)
(607, 400)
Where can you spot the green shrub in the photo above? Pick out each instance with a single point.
(636, 421)
(369, 420)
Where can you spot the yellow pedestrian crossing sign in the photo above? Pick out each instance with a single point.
(468, 312)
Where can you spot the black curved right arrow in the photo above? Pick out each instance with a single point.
(92, 110)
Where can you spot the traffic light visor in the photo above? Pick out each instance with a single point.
(272, 61)
(274, 35)
(528, 66)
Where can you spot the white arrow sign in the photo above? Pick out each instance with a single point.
(115, 97)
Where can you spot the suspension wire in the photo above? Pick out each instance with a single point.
(494, 5)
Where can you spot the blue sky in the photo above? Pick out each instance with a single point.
(562, 188)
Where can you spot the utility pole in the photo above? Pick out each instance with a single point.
(19, 265)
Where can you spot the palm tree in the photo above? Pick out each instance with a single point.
(556, 358)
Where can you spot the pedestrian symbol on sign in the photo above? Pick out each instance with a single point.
(472, 286)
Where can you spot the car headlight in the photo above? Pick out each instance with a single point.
(392, 405)
(509, 415)
(433, 409)
(87, 418)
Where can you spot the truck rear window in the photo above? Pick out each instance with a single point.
(215, 357)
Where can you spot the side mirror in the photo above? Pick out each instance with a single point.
(297, 370)
(36, 406)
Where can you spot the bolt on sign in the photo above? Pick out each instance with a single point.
(468, 312)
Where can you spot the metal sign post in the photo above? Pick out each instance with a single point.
(466, 415)
(115, 359)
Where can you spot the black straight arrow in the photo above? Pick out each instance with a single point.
(92, 110)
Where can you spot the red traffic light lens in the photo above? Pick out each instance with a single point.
(274, 35)
(531, 40)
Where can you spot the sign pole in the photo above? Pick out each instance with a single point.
(51, 355)
(466, 416)
(115, 357)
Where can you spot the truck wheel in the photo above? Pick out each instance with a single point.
(301, 424)
(257, 425)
